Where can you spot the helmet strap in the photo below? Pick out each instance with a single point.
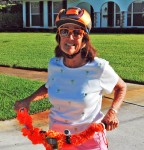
(70, 56)
(73, 55)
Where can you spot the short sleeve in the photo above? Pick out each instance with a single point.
(53, 63)
(46, 85)
(109, 78)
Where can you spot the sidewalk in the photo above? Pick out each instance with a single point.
(129, 135)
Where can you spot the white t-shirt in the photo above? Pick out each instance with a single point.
(76, 93)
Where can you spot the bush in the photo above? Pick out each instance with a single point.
(11, 16)
(0, 20)
(10, 20)
(16, 8)
(11, 8)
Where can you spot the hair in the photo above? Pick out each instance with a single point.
(88, 52)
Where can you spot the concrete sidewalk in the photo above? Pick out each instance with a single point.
(11, 136)
(129, 135)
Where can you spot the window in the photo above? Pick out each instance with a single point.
(110, 15)
(136, 14)
(129, 20)
(57, 7)
(138, 20)
(138, 7)
(118, 21)
(53, 10)
(35, 13)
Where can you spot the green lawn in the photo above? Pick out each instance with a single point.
(125, 52)
(14, 88)
(34, 50)
(31, 50)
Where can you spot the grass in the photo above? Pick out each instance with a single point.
(125, 52)
(32, 50)
(14, 88)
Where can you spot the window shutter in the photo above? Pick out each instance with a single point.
(65, 4)
(49, 13)
(27, 14)
(92, 16)
(110, 14)
(41, 13)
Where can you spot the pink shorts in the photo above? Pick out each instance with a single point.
(98, 142)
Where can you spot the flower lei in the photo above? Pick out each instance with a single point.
(37, 136)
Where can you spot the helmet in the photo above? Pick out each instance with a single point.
(74, 15)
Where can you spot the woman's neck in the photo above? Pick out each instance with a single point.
(75, 62)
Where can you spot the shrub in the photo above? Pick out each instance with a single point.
(11, 16)
(10, 20)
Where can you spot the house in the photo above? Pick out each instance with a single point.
(104, 13)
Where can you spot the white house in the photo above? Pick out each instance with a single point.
(104, 13)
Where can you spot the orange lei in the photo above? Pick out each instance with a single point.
(37, 136)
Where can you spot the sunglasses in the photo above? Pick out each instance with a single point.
(65, 32)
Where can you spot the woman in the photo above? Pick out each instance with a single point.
(77, 80)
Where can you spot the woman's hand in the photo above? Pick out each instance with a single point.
(22, 103)
(37, 95)
(111, 120)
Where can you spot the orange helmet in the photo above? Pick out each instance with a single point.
(74, 15)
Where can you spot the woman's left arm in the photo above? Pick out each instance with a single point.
(110, 118)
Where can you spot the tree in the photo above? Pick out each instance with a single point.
(6, 2)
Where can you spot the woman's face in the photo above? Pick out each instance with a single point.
(71, 38)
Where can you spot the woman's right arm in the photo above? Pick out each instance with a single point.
(37, 95)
